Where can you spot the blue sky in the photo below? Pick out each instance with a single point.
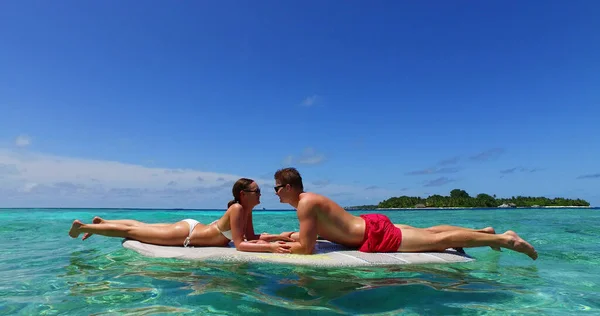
(115, 104)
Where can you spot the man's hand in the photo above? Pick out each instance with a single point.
(280, 247)
(287, 234)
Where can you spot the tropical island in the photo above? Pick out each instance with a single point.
(461, 199)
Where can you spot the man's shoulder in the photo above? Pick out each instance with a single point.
(316, 201)
(310, 198)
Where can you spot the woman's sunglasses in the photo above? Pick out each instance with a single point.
(257, 191)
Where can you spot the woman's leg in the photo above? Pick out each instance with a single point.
(171, 235)
(415, 240)
(128, 222)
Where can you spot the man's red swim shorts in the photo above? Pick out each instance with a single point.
(380, 234)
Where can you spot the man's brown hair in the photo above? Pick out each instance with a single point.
(290, 176)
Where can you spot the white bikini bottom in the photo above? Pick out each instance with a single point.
(192, 223)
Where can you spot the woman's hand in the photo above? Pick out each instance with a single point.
(280, 247)
(257, 241)
(270, 238)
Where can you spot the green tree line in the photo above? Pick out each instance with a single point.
(460, 198)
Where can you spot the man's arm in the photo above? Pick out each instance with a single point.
(307, 217)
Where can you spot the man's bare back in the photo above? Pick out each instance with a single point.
(333, 222)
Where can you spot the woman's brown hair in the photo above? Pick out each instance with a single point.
(238, 186)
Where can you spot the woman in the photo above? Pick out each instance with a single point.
(235, 224)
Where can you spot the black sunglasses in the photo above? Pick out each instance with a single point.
(279, 186)
(257, 191)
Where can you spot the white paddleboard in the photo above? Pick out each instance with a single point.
(327, 254)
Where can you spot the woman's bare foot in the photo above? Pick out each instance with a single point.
(517, 243)
(96, 220)
(74, 231)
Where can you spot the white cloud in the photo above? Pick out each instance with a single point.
(308, 157)
(60, 180)
(23, 141)
(288, 160)
(40, 180)
(27, 187)
(311, 157)
(309, 101)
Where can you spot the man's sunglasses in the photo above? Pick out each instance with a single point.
(278, 187)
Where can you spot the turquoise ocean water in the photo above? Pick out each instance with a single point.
(44, 272)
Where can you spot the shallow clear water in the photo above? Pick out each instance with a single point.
(44, 272)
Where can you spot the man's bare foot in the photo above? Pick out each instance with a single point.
(74, 231)
(517, 243)
(487, 230)
(96, 220)
(490, 230)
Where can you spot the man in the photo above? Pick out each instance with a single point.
(320, 216)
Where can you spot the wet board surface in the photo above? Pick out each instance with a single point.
(327, 254)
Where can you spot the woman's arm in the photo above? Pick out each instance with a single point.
(238, 222)
(250, 235)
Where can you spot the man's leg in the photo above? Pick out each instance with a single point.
(415, 240)
(447, 228)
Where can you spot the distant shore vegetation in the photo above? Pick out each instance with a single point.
(460, 198)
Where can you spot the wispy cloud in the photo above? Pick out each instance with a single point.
(29, 179)
(373, 187)
(590, 176)
(321, 183)
(490, 154)
(8, 169)
(434, 170)
(23, 141)
(439, 182)
(42, 177)
(309, 101)
(288, 160)
(511, 170)
(520, 169)
(449, 161)
(308, 157)
(537, 169)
